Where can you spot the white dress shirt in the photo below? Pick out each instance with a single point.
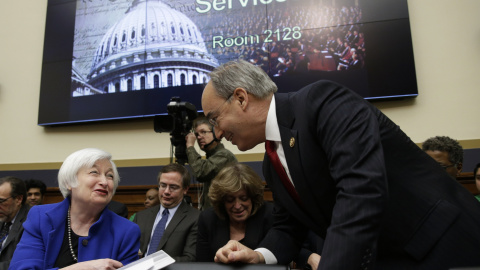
(171, 212)
(272, 133)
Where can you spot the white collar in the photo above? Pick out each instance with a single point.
(272, 131)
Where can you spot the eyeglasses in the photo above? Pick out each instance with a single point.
(173, 188)
(213, 119)
(202, 132)
(4, 200)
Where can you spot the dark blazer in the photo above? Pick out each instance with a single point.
(111, 237)
(13, 237)
(375, 197)
(313, 244)
(214, 233)
(180, 236)
(118, 208)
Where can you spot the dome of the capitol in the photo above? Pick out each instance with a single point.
(152, 46)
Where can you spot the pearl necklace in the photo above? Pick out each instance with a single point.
(70, 237)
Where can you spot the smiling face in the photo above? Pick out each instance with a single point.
(95, 184)
(235, 121)
(238, 206)
(34, 196)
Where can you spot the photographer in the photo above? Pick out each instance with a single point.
(217, 157)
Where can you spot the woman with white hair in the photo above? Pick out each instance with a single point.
(80, 231)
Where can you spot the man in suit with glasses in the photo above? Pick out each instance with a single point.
(13, 212)
(170, 226)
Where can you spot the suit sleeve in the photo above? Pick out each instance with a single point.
(348, 131)
(285, 237)
(313, 244)
(302, 258)
(4, 265)
(189, 250)
(204, 254)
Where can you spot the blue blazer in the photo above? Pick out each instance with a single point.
(111, 237)
(376, 198)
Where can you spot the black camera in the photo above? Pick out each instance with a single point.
(178, 122)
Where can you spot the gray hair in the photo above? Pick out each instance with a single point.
(85, 158)
(445, 144)
(241, 74)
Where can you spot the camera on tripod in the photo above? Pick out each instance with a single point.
(179, 123)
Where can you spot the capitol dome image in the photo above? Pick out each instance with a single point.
(152, 46)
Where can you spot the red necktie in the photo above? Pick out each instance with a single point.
(273, 156)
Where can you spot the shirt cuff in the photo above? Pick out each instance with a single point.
(267, 255)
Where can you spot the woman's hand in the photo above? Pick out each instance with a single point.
(100, 264)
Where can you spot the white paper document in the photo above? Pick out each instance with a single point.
(154, 261)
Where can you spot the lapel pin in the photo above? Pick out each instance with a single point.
(292, 142)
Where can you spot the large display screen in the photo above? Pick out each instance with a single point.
(114, 59)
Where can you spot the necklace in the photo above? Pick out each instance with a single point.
(70, 237)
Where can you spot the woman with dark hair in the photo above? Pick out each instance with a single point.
(79, 232)
(239, 212)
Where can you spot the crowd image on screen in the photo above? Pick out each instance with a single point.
(311, 37)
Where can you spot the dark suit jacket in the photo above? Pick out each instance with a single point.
(13, 237)
(214, 233)
(180, 236)
(374, 196)
(313, 244)
(118, 208)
